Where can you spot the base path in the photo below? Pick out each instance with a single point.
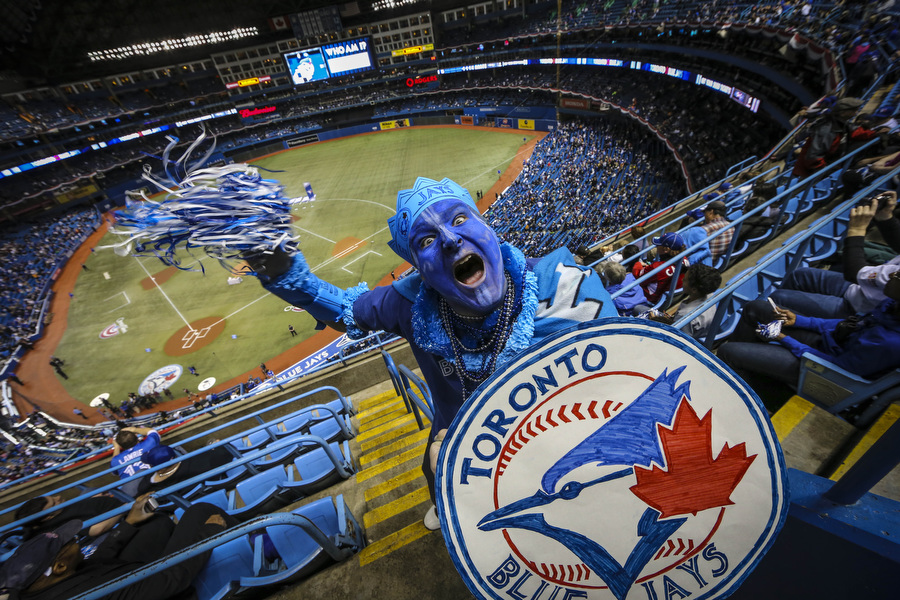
(43, 387)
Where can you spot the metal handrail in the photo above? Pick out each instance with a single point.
(335, 552)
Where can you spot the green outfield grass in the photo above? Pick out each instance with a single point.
(356, 181)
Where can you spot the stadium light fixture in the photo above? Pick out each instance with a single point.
(146, 48)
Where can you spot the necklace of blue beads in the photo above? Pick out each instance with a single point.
(489, 335)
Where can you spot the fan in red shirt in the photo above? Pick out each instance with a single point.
(667, 246)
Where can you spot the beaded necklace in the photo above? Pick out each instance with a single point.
(494, 345)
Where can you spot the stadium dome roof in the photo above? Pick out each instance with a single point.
(47, 41)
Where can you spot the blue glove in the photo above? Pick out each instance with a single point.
(290, 279)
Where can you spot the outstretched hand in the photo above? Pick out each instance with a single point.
(271, 265)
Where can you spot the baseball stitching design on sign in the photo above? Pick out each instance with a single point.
(615, 460)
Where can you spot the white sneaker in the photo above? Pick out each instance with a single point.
(432, 521)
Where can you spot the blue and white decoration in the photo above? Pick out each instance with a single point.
(614, 460)
(227, 212)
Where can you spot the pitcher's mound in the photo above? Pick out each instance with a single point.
(190, 339)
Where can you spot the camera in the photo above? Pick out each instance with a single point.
(151, 505)
(881, 198)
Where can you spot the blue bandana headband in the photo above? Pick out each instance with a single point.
(411, 203)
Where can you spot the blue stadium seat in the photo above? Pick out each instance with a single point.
(313, 471)
(257, 494)
(836, 389)
(227, 564)
(253, 440)
(330, 430)
(299, 554)
(292, 425)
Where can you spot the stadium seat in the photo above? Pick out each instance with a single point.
(836, 389)
(314, 471)
(330, 429)
(257, 494)
(292, 425)
(230, 478)
(299, 553)
(253, 440)
(227, 564)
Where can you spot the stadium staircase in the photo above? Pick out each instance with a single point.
(403, 560)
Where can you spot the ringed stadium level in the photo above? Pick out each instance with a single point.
(358, 102)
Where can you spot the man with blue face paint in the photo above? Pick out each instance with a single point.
(474, 304)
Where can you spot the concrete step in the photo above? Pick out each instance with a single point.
(811, 437)
(889, 487)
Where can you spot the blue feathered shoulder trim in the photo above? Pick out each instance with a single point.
(350, 296)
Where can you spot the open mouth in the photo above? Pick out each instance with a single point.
(469, 270)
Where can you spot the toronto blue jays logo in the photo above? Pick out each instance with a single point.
(615, 460)
(160, 379)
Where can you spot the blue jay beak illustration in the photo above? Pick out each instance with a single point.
(629, 438)
(507, 516)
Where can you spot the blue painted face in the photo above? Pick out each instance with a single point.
(458, 255)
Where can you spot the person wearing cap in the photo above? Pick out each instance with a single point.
(667, 245)
(472, 306)
(829, 136)
(51, 566)
(183, 470)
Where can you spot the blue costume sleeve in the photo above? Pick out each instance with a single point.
(300, 287)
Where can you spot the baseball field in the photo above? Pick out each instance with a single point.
(129, 317)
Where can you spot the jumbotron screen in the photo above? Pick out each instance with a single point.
(330, 60)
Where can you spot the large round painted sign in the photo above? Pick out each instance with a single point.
(616, 460)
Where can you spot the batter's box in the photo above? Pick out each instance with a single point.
(357, 258)
(126, 303)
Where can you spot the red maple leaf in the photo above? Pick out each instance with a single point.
(693, 480)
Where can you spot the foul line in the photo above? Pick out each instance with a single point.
(357, 258)
(166, 296)
(317, 235)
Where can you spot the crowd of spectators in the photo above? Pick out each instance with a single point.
(31, 252)
(42, 443)
(108, 110)
(584, 181)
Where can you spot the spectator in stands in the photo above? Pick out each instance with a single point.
(128, 447)
(830, 136)
(702, 255)
(82, 510)
(867, 346)
(637, 234)
(51, 566)
(700, 283)
(667, 246)
(756, 226)
(860, 288)
(616, 277)
(714, 220)
(181, 471)
(471, 292)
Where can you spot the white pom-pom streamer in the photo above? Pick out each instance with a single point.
(228, 212)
